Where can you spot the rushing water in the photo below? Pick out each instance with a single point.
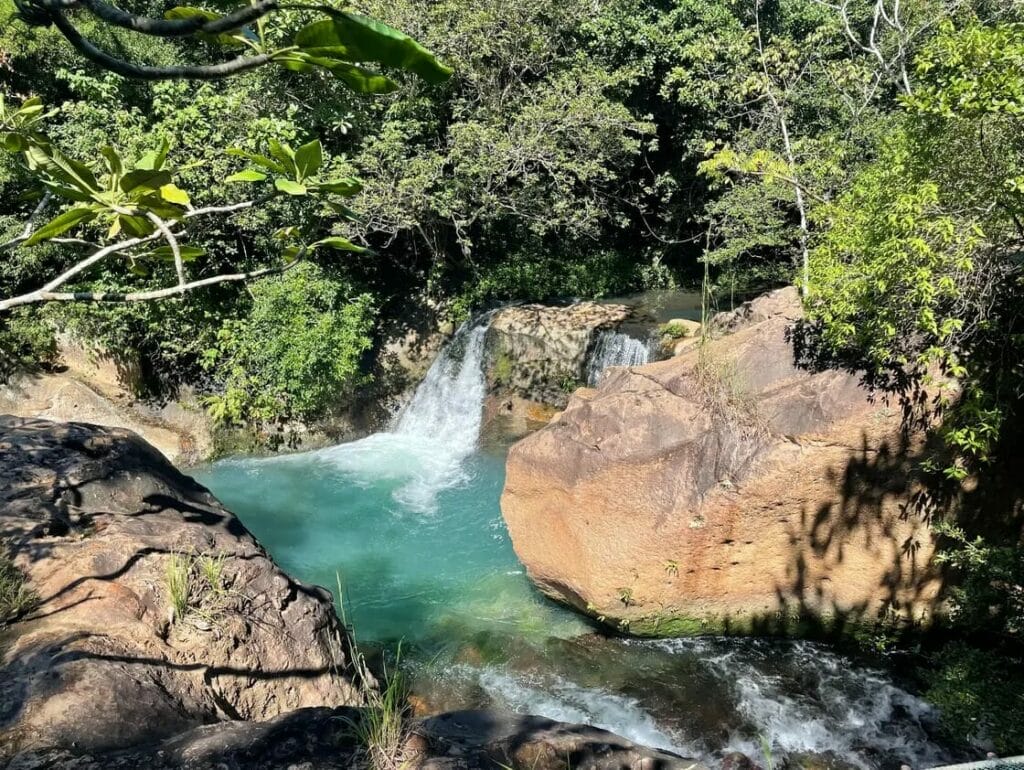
(408, 522)
(615, 348)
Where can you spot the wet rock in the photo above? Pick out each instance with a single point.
(539, 352)
(727, 490)
(738, 761)
(98, 520)
(486, 739)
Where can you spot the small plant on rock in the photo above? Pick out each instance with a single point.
(382, 728)
(16, 598)
(196, 587)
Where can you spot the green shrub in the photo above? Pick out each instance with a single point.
(297, 353)
(980, 695)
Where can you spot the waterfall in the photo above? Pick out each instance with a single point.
(448, 404)
(428, 445)
(614, 348)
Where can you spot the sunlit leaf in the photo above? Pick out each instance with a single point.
(308, 159)
(290, 187)
(365, 40)
(174, 194)
(248, 175)
(154, 159)
(259, 160)
(188, 253)
(341, 244)
(61, 224)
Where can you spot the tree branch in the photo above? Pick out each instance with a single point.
(178, 27)
(144, 72)
(143, 296)
(179, 265)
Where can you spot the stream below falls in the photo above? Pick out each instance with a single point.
(408, 523)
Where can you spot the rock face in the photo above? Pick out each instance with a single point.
(725, 490)
(539, 352)
(321, 739)
(481, 740)
(99, 522)
(182, 434)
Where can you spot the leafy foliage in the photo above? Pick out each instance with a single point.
(296, 354)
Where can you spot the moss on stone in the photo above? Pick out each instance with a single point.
(858, 630)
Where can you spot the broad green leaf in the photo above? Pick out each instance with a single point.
(362, 81)
(31, 106)
(112, 160)
(188, 253)
(61, 224)
(291, 253)
(341, 244)
(290, 187)
(364, 40)
(71, 193)
(65, 171)
(259, 160)
(346, 186)
(308, 159)
(144, 180)
(15, 142)
(345, 212)
(154, 159)
(137, 227)
(358, 79)
(248, 175)
(174, 194)
(285, 156)
(155, 203)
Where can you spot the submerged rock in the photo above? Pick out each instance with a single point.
(726, 489)
(110, 538)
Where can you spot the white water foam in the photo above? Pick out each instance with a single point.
(615, 348)
(564, 701)
(833, 706)
(425, 451)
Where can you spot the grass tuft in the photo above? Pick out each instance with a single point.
(196, 587)
(16, 598)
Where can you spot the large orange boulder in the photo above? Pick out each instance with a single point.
(726, 489)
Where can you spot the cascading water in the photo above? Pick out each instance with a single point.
(615, 348)
(430, 440)
(408, 520)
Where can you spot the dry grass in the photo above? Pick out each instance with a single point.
(723, 391)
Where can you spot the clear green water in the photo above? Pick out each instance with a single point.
(438, 571)
(410, 574)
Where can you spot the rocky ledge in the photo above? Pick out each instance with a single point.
(321, 739)
(155, 610)
(538, 352)
(726, 489)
